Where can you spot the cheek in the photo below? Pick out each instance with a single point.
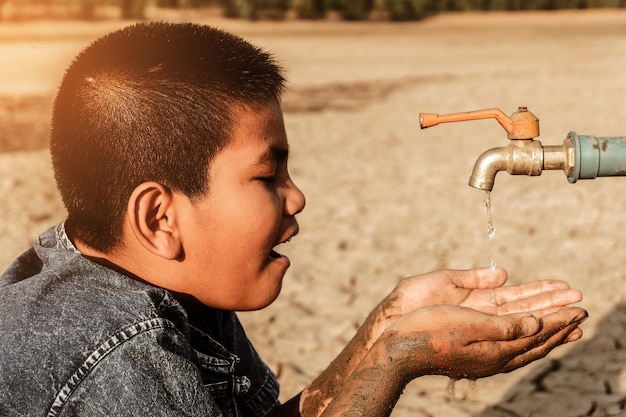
(255, 206)
(252, 216)
(236, 217)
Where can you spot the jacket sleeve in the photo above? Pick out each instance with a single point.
(142, 371)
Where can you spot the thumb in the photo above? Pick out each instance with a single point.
(480, 278)
(512, 326)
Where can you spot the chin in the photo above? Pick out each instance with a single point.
(261, 303)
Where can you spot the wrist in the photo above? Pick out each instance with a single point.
(372, 327)
(403, 358)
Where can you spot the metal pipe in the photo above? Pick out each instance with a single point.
(597, 156)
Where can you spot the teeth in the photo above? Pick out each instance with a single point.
(279, 243)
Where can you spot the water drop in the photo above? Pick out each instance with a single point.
(491, 231)
(452, 389)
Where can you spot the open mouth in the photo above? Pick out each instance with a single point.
(275, 255)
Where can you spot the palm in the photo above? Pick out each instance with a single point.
(464, 342)
(480, 290)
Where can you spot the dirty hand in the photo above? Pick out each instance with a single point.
(479, 289)
(464, 343)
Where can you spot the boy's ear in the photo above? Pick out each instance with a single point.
(152, 218)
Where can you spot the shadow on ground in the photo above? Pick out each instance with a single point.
(588, 381)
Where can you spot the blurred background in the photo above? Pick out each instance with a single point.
(385, 199)
(394, 10)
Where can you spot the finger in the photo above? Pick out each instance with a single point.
(576, 334)
(505, 355)
(479, 278)
(521, 291)
(545, 311)
(557, 328)
(523, 325)
(565, 316)
(542, 301)
(567, 334)
(507, 328)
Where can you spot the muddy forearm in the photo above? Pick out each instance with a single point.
(332, 380)
(373, 388)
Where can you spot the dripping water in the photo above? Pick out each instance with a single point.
(491, 234)
(452, 389)
(491, 231)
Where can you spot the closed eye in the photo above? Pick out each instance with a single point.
(268, 180)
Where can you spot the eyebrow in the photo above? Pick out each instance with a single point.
(273, 154)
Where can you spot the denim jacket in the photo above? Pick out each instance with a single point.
(77, 338)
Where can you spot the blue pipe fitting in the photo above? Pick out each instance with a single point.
(597, 156)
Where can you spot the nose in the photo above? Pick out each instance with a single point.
(294, 199)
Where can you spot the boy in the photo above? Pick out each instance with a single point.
(170, 153)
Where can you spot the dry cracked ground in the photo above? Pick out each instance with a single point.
(387, 200)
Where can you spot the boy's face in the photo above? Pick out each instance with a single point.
(228, 236)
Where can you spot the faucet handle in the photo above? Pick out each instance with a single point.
(521, 125)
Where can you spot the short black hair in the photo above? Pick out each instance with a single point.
(149, 102)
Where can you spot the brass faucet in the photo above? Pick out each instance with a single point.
(522, 156)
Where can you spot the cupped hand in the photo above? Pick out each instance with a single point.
(479, 289)
(464, 343)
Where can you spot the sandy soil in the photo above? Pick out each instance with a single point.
(387, 200)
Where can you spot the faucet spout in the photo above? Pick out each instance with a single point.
(487, 166)
(520, 157)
